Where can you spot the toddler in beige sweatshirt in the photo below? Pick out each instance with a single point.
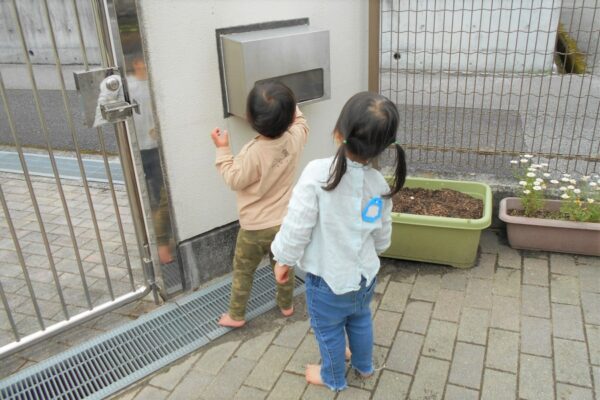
(262, 175)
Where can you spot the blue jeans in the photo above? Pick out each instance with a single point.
(332, 317)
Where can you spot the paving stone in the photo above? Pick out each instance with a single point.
(307, 353)
(448, 305)
(439, 341)
(535, 271)
(395, 297)
(507, 282)
(288, 387)
(416, 317)
(430, 378)
(392, 386)
(194, 382)
(564, 289)
(593, 339)
(404, 272)
(498, 385)
(313, 392)
(535, 301)
(169, 378)
(591, 307)
(479, 293)
(467, 365)
(354, 394)
(229, 380)
(460, 393)
(568, 392)
(563, 264)
(473, 325)
(571, 362)
(269, 367)
(567, 322)
(292, 334)
(536, 336)
(152, 393)
(503, 350)
(509, 258)
(405, 352)
(596, 373)
(455, 279)
(535, 378)
(589, 278)
(128, 394)
(489, 241)
(250, 393)
(379, 356)
(485, 267)
(504, 313)
(385, 325)
(382, 282)
(426, 287)
(215, 357)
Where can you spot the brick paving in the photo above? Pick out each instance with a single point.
(23, 217)
(519, 325)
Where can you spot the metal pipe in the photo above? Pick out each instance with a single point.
(43, 124)
(78, 319)
(73, 131)
(15, 240)
(9, 313)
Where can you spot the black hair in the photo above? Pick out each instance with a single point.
(368, 124)
(270, 108)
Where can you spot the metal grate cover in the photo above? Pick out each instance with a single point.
(116, 359)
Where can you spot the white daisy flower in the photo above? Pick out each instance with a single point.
(554, 181)
(562, 189)
(536, 188)
(528, 156)
(590, 201)
(544, 164)
(570, 187)
(532, 169)
(577, 191)
(514, 161)
(564, 179)
(593, 184)
(524, 160)
(573, 181)
(564, 196)
(585, 178)
(526, 191)
(522, 183)
(530, 174)
(567, 175)
(547, 175)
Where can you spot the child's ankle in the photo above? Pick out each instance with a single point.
(287, 312)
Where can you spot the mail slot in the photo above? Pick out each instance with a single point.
(297, 56)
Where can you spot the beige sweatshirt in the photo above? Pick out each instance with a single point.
(263, 174)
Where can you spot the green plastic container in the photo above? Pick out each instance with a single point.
(440, 240)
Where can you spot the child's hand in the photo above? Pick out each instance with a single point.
(220, 138)
(281, 273)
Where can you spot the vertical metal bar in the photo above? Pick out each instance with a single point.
(42, 120)
(71, 125)
(414, 80)
(448, 85)
(466, 89)
(421, 122)
(406, 73)
(9, 313)
(107, 170)
(15, 240)
(456, 91)
(475, 92)
(441, 72)
(430, 74)
(374, 29)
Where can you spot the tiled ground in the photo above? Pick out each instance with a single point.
(28, 232)
(519, 325)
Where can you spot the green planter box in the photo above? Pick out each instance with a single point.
(440, 240)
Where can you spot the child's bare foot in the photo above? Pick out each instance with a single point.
(313, 374)
(227, 321)
(287, 312)
(348, 354)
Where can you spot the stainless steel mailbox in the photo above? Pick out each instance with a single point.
(297, 56)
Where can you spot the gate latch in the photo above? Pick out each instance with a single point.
(102, 97)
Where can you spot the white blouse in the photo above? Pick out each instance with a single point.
(336, 235)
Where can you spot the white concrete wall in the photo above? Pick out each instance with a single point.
(478, 35)
(182, 57)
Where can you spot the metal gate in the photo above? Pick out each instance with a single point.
(479, 82)
(74, 237)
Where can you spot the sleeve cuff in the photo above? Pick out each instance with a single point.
(223, 152)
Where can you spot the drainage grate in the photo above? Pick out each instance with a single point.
(116, 359)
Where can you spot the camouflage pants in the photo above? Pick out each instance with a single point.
(250, 248)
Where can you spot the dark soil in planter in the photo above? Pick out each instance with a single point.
(438, 203)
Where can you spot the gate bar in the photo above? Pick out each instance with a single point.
(43, 124)
(15, 240)
(9, 313)
(71, 126)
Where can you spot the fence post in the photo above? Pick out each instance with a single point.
(374, 15)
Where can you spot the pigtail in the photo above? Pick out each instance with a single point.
(337, 170)
(400, 173)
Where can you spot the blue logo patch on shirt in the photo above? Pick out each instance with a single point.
(373, 209)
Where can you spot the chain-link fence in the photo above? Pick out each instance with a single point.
(479, 82)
